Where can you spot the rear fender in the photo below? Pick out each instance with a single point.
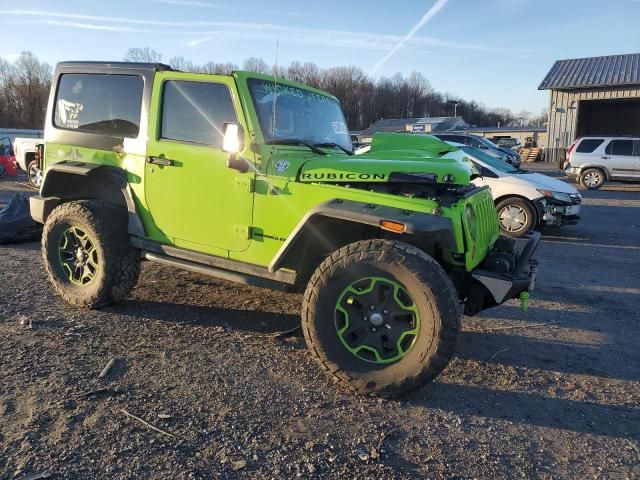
(587, 166)
(67, 180)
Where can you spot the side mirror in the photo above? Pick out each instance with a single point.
(232, 143)
(232, 138)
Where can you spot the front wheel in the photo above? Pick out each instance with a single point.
(381, 317)
(34, 173)
(516, 216)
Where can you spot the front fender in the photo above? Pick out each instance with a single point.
(352, 212)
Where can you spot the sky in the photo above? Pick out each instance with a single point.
(493, 51)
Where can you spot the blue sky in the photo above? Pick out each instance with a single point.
(493, 51)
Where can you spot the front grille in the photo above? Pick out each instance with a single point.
(488, 228)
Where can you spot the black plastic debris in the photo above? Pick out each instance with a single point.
(16, 224)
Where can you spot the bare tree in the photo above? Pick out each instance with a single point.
(142, 55)
(24, 90)
(219, 68)
(257, 65)
(24, 86)
(184, 65)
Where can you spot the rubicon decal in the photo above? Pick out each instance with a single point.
(343, 176)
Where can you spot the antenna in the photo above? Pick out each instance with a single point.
(275, 90)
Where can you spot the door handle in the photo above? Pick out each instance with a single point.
(605, 158)
(165, 162)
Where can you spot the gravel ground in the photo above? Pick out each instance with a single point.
(195, 360)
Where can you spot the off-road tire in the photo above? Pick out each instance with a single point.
(593, 172)
(529, 210)
(119, 262)
(433, 293)
(33, 164)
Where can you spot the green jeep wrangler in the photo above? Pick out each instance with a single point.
(253, 179)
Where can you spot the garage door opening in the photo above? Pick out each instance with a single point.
(609, 117)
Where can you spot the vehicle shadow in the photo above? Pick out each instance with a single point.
(530, 409)
(534, 353)
(535, 407)
(239, 320)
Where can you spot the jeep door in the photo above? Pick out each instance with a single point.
(196, 202)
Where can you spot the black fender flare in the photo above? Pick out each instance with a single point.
(416, 223)
(105, 181)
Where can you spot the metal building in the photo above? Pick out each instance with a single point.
(411, 125)
(592, 96)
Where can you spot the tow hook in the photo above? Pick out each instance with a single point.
(524, 301)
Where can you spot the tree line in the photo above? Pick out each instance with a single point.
(24, 88)
(24, 91)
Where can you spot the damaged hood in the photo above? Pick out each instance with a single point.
(391, 155)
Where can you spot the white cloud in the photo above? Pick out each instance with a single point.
(432, 12)
(199, 30)
(89, 26)
(196, 3)
(197, 41)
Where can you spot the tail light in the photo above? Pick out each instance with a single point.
(39, 154)
(573, 145)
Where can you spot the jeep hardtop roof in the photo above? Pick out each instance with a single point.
(119, 65)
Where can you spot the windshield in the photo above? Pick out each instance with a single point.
(298, 114)
(488, 142)
(491, 161)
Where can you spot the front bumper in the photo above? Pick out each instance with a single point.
(505, 274)
(552, 214)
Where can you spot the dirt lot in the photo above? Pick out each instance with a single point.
(519, 400)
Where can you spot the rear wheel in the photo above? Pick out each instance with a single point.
(381, 317)
(592, 178)
(87, 253)
(34, 174)
(516, 216)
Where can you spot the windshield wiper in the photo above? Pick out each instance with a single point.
(332, 144)
(295, 141)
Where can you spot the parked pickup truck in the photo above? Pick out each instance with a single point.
(25, 151)
(253, 179)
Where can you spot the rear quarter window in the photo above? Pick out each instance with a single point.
(588, 145)
(620, 147)
(99, 103)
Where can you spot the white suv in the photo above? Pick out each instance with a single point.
(596, 159)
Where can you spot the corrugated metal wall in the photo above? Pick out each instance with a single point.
(563, 115)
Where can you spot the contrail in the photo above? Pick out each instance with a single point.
(425, 18)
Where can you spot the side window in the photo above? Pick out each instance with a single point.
(588, 145)
(99, 103)
(620, 147)
(195, 112)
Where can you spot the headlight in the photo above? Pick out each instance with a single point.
(472, 221)
(561, 197)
